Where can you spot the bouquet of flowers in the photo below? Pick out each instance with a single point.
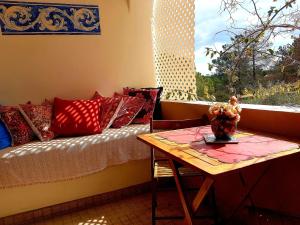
(225, 118)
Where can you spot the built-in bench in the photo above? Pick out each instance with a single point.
(40, 174)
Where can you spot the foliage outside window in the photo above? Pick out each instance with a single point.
(248, 65)
(252, 64)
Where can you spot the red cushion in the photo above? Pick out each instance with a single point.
(110, 108)
(20, 131)
(146, 113)
(129, 109)
(39, 119)
(78, 117)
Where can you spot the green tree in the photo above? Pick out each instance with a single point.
(281, 17)
(287, 65)
(226, 61)
(212, 88)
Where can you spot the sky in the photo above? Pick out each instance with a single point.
(209, 21)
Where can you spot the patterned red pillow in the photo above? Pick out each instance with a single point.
(129, 109)
(146, 113)
(39, 119)
(110, 106)
(97, 95)
(19, 130)
(157, 114)
(77, 117)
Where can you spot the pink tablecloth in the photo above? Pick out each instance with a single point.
(249, 146)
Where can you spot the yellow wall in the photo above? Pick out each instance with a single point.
(22, 199)
(74, 66)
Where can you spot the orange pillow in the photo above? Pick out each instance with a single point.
(76, 117)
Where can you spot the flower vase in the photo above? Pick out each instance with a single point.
(223, 127)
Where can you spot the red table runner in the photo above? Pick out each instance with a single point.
(249, 146)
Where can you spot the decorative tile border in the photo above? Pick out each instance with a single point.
(73, 206)
(19, 18)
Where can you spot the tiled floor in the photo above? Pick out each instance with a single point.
(137, 211)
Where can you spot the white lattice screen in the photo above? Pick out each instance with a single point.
(173, 42)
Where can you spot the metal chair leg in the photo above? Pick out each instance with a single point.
(154, 201)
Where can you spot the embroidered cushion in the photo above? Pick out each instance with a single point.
(39, 119)
(5, 139)
(157, 114)
(110, 106)
(129, 109)
(146, 113)
(76, 117)
(19, 129)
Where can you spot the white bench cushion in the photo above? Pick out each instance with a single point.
(69, 158)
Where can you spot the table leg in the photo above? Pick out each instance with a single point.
(187, 211)
(204, 189)
(243, 181)
(249, 192)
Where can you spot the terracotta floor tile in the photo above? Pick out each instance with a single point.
(137, 211)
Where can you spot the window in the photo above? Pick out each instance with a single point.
(265, 71)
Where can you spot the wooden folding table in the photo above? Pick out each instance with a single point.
(210, 167)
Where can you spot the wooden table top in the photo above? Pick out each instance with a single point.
(188, 156)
